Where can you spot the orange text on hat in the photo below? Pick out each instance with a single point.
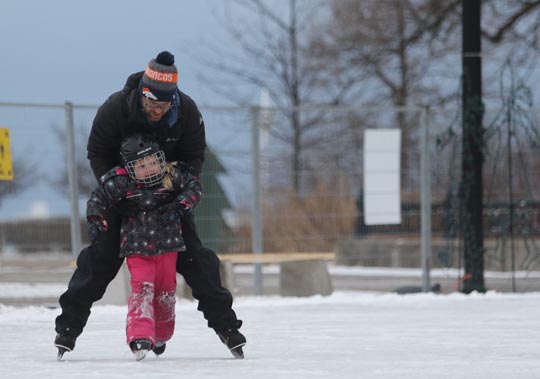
(166, 77)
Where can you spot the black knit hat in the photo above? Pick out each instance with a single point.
(160, 78)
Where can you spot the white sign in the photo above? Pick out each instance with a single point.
(382, 200)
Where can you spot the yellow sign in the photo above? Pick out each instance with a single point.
(6, 168)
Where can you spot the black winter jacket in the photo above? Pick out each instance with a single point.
(156, 228)
(180, 133)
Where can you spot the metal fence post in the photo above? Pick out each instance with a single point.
(425, 201)
(72, 182)
(256, 219)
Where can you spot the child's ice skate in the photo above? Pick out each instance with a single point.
(140, 347)
(159, 348)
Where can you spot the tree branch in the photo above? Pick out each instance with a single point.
(526, 9)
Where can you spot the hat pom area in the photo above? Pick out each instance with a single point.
(165, 58)
(160, 78)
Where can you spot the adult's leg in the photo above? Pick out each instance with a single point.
(200, 268)
(97, 265)
(165, 296)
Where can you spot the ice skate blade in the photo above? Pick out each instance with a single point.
(61, 351)
(237, 352)
(140, 354)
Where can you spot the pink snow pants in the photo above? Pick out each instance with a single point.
(153, 297)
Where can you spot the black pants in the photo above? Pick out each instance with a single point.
(98, 264)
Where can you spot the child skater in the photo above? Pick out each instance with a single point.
(150, 238)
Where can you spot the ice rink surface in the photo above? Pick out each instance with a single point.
(346, 335)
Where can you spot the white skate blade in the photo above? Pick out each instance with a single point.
(61, 350)
(140, 354)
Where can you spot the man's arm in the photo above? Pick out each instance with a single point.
(104, 141)
(112, 188)
(193, 142)
(186, 184)
(184, 181)
(192, 193)
(110, 191)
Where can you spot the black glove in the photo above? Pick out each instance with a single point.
(96, 225)
(171, 212)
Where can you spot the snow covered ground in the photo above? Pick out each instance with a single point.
(27, 287)
(346, 335)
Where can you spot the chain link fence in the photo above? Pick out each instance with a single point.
(303, 191)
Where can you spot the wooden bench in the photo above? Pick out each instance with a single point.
(301, 274)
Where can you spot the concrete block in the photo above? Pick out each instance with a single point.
(118, 290)
(183, 291)
(305, 278)
(228, 280)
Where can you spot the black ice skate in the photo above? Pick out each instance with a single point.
(64, 343)
(234, 340)
(140, 348)
(159, 348)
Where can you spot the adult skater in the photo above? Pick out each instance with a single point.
(150, 103)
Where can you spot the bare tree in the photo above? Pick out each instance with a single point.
(86, 180)
(397, 43)
(410, 48)
(274, 54)
(392, 52)
(510, 35)
(24, 174)
(515, 21)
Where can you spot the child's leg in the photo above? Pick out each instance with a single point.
(165, 295)
(140, 318)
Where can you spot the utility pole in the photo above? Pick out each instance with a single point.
(473, 143)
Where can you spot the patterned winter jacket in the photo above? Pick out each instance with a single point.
(156, 228)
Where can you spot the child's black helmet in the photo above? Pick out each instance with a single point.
(143, 159)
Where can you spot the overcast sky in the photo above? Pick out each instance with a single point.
(82, 51)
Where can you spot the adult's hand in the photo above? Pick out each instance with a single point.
(95, 226)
